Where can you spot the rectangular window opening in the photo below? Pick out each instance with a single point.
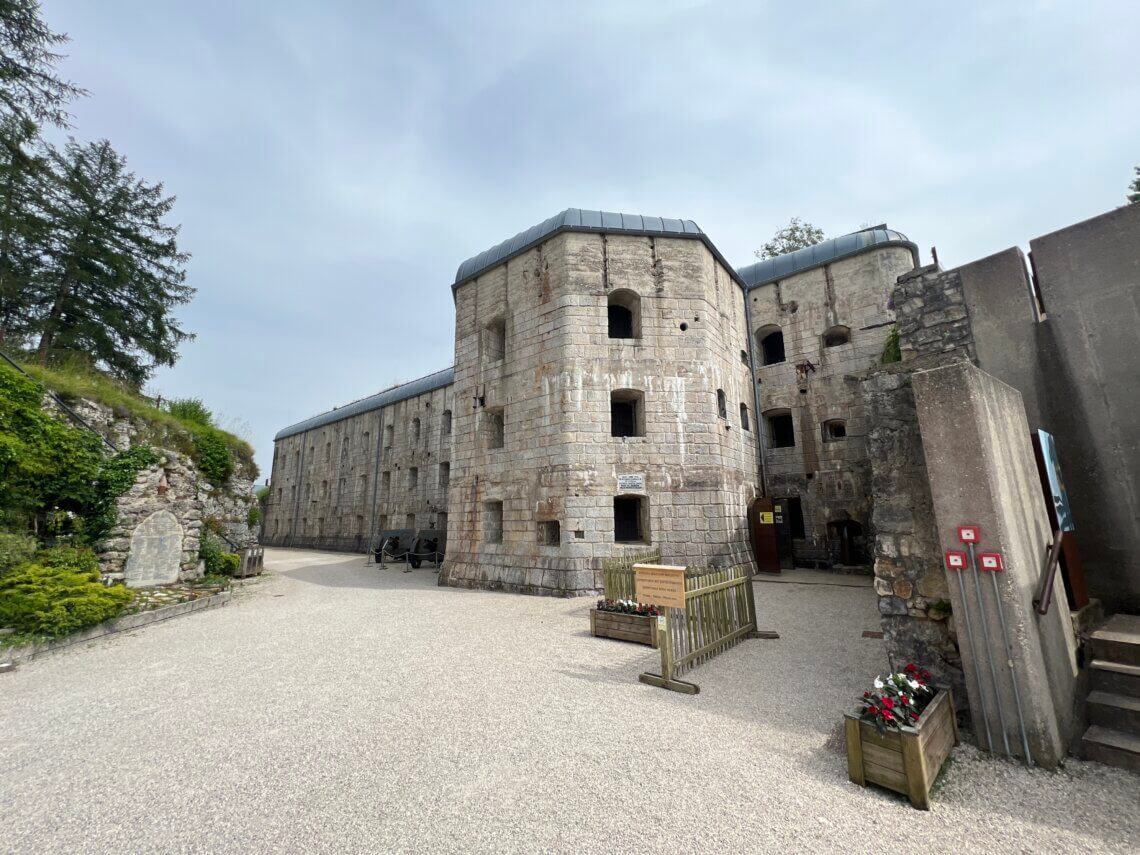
(493, 522)
(630, 519)
(549, 532)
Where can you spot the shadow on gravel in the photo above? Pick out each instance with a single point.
(360, 575)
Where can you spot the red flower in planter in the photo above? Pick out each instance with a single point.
(888, 704)
(915, 716)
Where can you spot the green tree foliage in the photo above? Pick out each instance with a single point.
(30, 91)
(23, 227)
(1134, 188)
(15, 549)
(113, 268)
(795, 235)
(191, 410)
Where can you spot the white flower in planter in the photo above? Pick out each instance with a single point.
(879, 683)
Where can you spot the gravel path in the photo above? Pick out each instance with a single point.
(333, 707)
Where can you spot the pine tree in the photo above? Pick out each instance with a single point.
(29, 87)
(795, 235)
(23, 228)
(1134, 188)
(113, 270)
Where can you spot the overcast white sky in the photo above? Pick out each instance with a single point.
(334, 162)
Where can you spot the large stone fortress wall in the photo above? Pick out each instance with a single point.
(817, 325)
(543, 491)
(342, 478)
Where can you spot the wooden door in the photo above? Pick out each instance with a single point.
(762, 534)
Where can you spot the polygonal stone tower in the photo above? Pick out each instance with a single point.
(603, 404)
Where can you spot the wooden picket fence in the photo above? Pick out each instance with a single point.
(719, 612)
(617, 573)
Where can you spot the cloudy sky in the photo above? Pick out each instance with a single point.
(334, 162)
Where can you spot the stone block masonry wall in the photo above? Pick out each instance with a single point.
(930, 310)
(533, 349)
(909, 579)
(337, 485)
(818, 381)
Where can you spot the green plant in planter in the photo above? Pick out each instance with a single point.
(231, 561)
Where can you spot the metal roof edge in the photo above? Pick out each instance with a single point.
(566, 225)
(391, 395)
(819, 255)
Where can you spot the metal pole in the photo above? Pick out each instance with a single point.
(989, 656)
(1012, 675)
(977, 673)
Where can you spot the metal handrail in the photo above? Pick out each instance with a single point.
(1044, 596)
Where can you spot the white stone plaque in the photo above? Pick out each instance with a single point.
(631, 482)
(156, 552)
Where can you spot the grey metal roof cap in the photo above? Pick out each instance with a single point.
(374, 402)
(575, 219)
(825, 252)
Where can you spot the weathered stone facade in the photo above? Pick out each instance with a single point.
(833, 320)
(539, 477)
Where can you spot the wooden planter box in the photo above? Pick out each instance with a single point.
(641, 629)
(908, 760)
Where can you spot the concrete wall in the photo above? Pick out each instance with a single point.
(336, 485)
(982, 472)
(1088, 388)
(817, 383)
(559, 462)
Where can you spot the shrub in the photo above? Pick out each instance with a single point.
(15, 549)
(210, 552)
(191, 410)
(213, 455)
(231, 561)
(57, 600)
(253, 516)
(75, 559)
(116, 476)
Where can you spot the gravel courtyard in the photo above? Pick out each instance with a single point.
(336, 707)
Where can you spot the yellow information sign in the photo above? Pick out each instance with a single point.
(766, 517)
(659, 585)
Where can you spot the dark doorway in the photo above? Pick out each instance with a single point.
(772, 346)
(789, 528)
(848, 535)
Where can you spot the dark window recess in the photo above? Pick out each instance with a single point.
(721, 404)
(781, 432)
(744, 417)
(621, 322)
(772, 346)
(627, 519)
(744, 356)
(493, 428)
(550, 533)
(627, 413)
(834, 429)
(836, 336)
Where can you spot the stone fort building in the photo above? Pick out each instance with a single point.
(618, 386)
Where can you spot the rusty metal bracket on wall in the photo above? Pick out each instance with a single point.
(1044, 596)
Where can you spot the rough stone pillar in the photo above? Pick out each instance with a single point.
(982, 472)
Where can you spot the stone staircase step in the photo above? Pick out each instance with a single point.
(1111, 747)
(1117, 640)
(1115, 677)
(1117, 712)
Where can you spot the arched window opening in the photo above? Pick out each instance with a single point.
(744, 424)
(624, 310)
(834, 430)
(445, 423)
(836, 336)
(781, 433)
(627, 412)
(847, 536)
(771, 342)
(721, 404)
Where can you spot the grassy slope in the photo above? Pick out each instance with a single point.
(77, 382)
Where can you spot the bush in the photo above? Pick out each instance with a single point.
(210, 552)
(15, 549)
(253, 517)
(891, 350)
(75, 559)
(231, 561)
(213, 455)
(58, 600)
(191, 410)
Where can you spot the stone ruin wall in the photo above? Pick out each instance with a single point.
(160, 517)
(934, 329)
